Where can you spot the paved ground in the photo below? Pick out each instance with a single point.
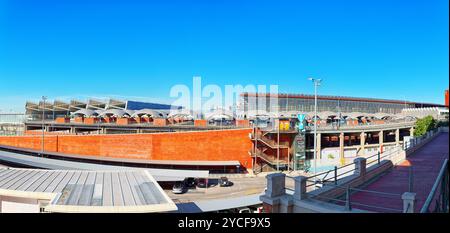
(426, 163)
(242, 186)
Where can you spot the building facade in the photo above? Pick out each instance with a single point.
(305, 103)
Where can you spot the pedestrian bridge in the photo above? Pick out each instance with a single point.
(408, 179)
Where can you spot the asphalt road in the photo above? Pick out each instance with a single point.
(241, 187)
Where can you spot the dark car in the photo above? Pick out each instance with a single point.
(224, 182)
(190, 182)
(202, 183)
(179, 187)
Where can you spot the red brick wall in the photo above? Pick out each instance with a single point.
(39, 132)
(211, 145)
(242, 123)
(200, 123)
(160, 121)
(62, 120)
(125, 121)
(90, 121)
(31, 142)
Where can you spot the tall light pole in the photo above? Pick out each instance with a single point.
(316, 83)
(44, 98)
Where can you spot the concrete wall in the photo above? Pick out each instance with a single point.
(18, 205)
(214, 145)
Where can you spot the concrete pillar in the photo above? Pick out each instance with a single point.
(271, 199)
(363, 142)
(275, 184)
(286, 204)
(360, 166)
(409, 201)
(397, 137)
(319, 145)
(341, 148)
(300, 187)
(72, 130)
(411, 132)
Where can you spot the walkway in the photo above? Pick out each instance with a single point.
(426, 163)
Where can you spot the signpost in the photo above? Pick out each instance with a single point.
(299, 144)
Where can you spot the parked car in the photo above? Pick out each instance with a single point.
(179, 187)
(224, 182)
(190, 182)
(202, 182)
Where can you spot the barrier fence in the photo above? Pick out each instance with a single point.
(437, 201)
(438, 198)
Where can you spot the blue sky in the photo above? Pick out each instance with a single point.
(381, 48)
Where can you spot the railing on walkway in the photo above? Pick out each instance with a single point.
(407, 145)
(292, 127)
(348, 203)
(340, 172)
(438, 198)
(332, 176)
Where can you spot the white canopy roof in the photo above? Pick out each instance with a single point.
(149, 112)
(85, 112)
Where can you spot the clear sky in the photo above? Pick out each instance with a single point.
(390, 49)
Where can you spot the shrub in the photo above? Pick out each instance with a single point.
(424, 125)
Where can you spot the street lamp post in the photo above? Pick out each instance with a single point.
(316, 83)
(44, 98)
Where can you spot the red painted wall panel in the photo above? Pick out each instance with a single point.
(214, 145)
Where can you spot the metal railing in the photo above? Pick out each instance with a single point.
(341, 172)
(439, 193)
(348, 203)
(438, 198)
(309, 127)
(408, 145)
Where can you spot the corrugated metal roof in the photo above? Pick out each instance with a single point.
(87, 188)
(55, 164)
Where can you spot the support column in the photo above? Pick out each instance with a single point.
(271, 199)
(363, 142)
(300, 187)
(409, 201)
(341, 148)
(360, 167)
(381, 140)
(319, 145)
(397, 137)
(411, 132)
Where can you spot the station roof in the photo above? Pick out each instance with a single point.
(56, 164)
(96, 104)
(341, 98)
(87, 191)
(148, 112)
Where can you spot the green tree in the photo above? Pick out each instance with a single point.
(424, 125)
